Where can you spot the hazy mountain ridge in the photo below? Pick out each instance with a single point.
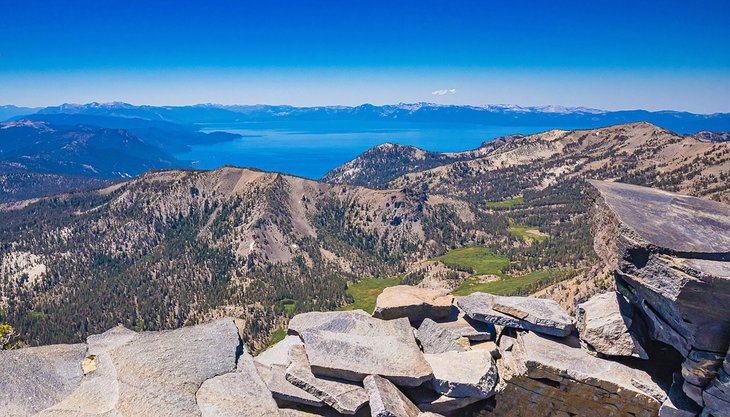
(506, 115)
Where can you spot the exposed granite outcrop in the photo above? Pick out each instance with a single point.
(413, 303)
(670, 255)
(354, 346)
(545, 376)
(606, 324)
(536, 314)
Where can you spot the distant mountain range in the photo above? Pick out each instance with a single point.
(501, 115)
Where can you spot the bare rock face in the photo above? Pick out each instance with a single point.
(604, 323)
(344, 396)
(437, 338)
(429, 401)
(159, 373)
(670, 255)
(274, 377)
(38, 377)
(355, 346)
(414, 303)
(536, 314)
(98, 393)
(543, 376)
(313, 319)
(716, 396)
(463, 374)
(279, 353)
(475, 331)
(241, 393)
(386, 400)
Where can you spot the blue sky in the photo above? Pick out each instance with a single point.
(612, 55)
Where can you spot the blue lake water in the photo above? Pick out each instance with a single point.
(311, 149)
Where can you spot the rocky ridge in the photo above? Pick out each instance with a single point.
(526, 357)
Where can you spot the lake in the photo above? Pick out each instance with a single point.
(312, 148)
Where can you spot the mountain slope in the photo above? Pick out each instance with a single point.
(89, 151)
(174, 247)
(635, 153)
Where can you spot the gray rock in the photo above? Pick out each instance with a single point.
(475, 331)
(542, 375)
(463, 374)
(490, 347)
(436, 338)
(386, 400)
(679, 223)
(311, 320)
(536, 314)
(352, 347)
(241, 393)
(677, 403)
(275, 378)
(159, 373)
(431, 402)
(414, 303)
(98, 393)
(343, 396)
(279, 353)
(670, 255)
(604, 323)
(36, 378)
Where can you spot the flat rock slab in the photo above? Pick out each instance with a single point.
(429, 401)
(311, 320)
(662, 219)
(36, 378)
(279, 353)
(241, 393)
(275, 378)
(98, 393)
(159, 373)
(414, 303)
(386, 400)
(463, 374)
(437, 338)
(536, 314)
(353, 347)
(541, 375)
(345, 397)
(474, 330)
(605, 322)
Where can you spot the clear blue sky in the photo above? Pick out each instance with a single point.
(612, 55)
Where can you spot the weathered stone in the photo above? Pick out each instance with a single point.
(414, 303)
(98, 393)
(671, 258)
(436, 338)
(386, 400)
(428, 401)
(490, 347)
(343, 396)
(279, 353)
(605, 322)
(159, 373)
(716, 395)
(352, 347)
(700, 367)
(677, 403)
(36, 378)
(241, 393)
(463, 374)
(539, 315)
(274, 377)
(546, 376)
(474, 330)
(311, 320)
